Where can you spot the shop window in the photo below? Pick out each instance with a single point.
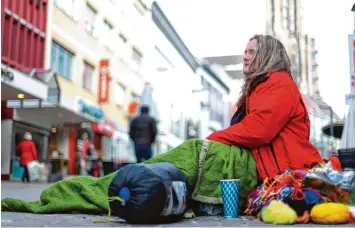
(119, 94)
(88, 76)
(175, 121)
(61, 60)
(90, 17)
(216, 105)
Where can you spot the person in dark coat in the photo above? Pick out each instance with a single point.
(28, 153)
(143, 132)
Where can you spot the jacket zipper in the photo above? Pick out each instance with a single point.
(262, 162)
(273, 154)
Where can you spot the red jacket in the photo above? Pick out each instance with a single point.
(28, 152)
(276, 128)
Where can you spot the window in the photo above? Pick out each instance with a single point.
(135, 97)
(119, 94)
(137, 56)
(108, 40)
(88, 75)
(286, 14)
(66, 5)
(61, 60)
(108, 27)
(123, 38)
(140, 7)
(216, 105)
(175, 121)
(90, 17)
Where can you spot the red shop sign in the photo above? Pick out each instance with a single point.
(104, 81)
(104, 128)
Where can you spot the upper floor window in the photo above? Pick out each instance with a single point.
(119, 94)
(123, 38)
(286, 20)
(68, 6)
(136, 56)
(61, 60)
(88, 75)
(107, 25)
(89, 18)
(140, 7)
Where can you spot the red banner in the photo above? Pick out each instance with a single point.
(104, 81)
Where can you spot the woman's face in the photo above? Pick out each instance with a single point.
(249, 53)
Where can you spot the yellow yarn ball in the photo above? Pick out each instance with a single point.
(330, 213)
(278, 212)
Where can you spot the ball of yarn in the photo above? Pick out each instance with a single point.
(278, 212)
(330, 213)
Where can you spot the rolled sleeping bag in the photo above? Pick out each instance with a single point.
(152, 193)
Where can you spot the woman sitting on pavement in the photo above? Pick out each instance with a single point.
(271, 120)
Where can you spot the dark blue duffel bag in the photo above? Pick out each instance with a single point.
(151, 193)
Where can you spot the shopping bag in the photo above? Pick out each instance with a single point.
(34, 170)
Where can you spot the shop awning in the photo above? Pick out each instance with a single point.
(31, 83)
(49, 111)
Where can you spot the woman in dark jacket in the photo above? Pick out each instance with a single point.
(28, 153)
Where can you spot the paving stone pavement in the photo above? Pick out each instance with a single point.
(32, 191)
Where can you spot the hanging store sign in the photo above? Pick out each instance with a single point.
(104, 127)
(89, 109)
(104, 81)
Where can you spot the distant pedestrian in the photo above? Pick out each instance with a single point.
(28, 153)
(143, 132)
(84, 149)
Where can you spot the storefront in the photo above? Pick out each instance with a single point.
(22, 92)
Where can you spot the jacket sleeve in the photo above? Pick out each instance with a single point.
(272, 109)
(34, 151)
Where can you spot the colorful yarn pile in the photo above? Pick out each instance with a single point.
(286, 187)
(325, 194)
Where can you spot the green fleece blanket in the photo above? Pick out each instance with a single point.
(203, 162)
